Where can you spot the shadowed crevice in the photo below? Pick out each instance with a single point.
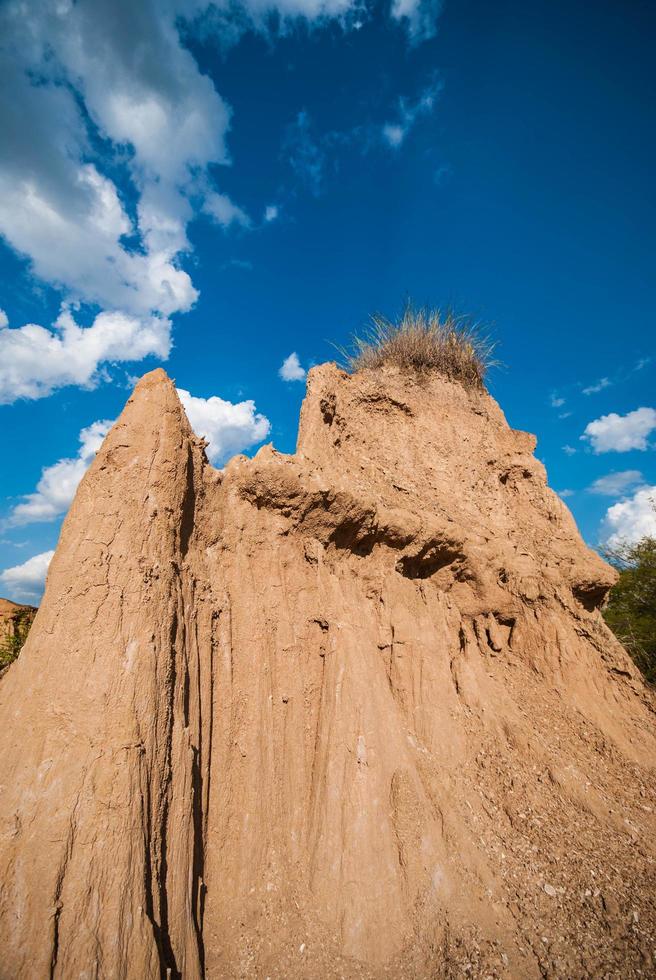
(188, 505)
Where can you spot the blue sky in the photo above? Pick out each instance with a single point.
(215, 187)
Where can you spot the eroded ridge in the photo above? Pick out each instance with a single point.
(347, 713)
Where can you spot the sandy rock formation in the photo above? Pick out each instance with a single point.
(15, 618)
(347, 713)
(11, 613)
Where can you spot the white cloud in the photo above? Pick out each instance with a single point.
(614, 484)
(124, 65)
(569, 450)
(229, 428)
(565, 493)
(419, 16)
(271, 212)
(632, 519)
(224, 212)
(3, 319)
(25, 582)
(34, 361)
(555, 401)
(56, 488)
(394, 133)
(599, 386)
(57, 209)
(291, 369)
(621, 433)
(105, 221)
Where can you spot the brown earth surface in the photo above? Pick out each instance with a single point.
(12, 615)
(348, 713)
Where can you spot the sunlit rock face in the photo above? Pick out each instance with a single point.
(347, 713)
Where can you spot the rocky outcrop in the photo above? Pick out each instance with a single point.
(347, 713)
(16, 619)
(11, 613)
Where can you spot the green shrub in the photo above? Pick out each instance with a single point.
(12, 644)
(631, 608)
(425, 341)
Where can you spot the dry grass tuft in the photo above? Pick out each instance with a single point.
(425, 341)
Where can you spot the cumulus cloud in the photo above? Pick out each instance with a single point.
(632, 519)
(621, 433)
(25, 583)
(271, 212)
(111, 136)
(291, 369)
(70, 71)
(614, 484)
(409, 112)
(229, 428)
(569, 450)
(55, 490)
(59, 209)
(35, 360)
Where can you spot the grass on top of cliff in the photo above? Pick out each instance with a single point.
(425, 341)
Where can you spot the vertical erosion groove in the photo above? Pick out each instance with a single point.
(167, 956)
(182, 951)
(198, 885)
(189, 504)
(199, 774)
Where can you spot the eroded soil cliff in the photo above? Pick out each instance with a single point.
(347, 713)
(15, 621)
(11, 616)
